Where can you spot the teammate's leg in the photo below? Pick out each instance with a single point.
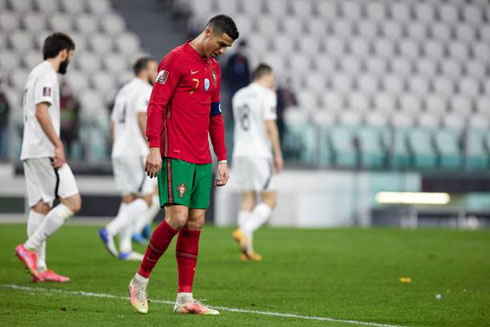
(55, 218)
(242, 234)
(153, 208)
(260, 215)
(134, 211)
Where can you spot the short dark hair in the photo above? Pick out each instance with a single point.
(55, 43)
(141, 63)
(261, 70)
(223, 24)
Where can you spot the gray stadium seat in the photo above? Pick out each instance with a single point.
(409, 49)
(335, 47)
(72, 7)
(375, 11)
(461, 105)
(448, 14)
(253, 7)
(77, 80)
(9, 21)
(277, 8)
(113, 24)
(20, 41)
(384, 48)
(452, 69)
(60, 22)
(401, 11)
(33, 22)
(342, 28)
(342, 83)
(226, 6)
(31, 59)
(444, 87)
(87, 24)
(20, 5)
(483, 106)
(9, 60)
(351, 9)
(367, 29)
(46, 7)
(358, 102)
(465, 33)
(426, 67)
(424, 12)
(267, 25)
(127, 43)
(469, 87)
(410, 104)
(327, 9)
(368, 84)
(384, 102)
(376, 66)
(393, 84)
(441, 32)
(18, 78)
(333, 102)
(436, 104)
(350, 65)
(100, 43)
(417, 31)
(302, 8)
(392, 30)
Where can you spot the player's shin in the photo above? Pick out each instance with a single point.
(34, 221)
(51, 223)
(186, 252)
(159, 241)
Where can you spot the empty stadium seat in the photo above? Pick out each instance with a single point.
(372, 153)
(343, 149)
(421, 146)
(447, 144)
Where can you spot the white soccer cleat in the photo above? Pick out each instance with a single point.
(131, 256)
(194, 307)
(138, 297)
(108, 241)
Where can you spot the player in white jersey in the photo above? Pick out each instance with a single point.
(48, 176)
(139, 203)
(257, 155)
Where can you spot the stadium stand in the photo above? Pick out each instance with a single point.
(398, 84)
(105, 49)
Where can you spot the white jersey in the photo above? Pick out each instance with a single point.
(131, 99)
(42, 86)
(252, 106)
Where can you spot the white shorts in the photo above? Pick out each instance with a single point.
(44, 182)
(130, 176)
(254, 174)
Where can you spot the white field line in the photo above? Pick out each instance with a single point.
(264, 313)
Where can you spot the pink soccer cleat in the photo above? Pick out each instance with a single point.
(28, 259)
(138, 297)
(194, 307)
(50, 276)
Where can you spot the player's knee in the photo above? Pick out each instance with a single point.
(74, 203)
(41, 208)
(195, 224)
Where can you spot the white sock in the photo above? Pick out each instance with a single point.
(119, 221)
(51, 223)
(258, 217)
(33, 222)
(131, 214)
(138, 279)
(183, 298)
(243, 217)
(148, 216)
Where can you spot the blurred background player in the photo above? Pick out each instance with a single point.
(4, 120)
(128, 156)
(257, 155)
(184, 110)
(48, 176)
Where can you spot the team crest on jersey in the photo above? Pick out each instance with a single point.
(162, 76)
(46, 91)
(181, 189)
(206, 84)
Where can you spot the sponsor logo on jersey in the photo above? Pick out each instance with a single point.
(206, 84)
(46, 91)
(181, 189)
(162, 76)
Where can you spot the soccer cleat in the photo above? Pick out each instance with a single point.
(50, 276)
(137, 297)
(242, 240)
(139, 239)
(28, 259)
(252, 256)
(194, 307)
(108, 241)
(131, 256)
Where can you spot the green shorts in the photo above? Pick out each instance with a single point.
(184, 183)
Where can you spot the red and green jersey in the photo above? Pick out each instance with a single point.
(184, 107)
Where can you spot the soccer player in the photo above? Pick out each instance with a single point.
(256, 156)
(128, 155)
(48, 176)
(184, 109)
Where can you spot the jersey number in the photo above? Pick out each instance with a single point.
(122, 118)
(244, 116)
(195, 80)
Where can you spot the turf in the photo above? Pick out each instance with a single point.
(348, 274)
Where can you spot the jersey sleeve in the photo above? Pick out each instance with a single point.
(270, 105)
(169, 73)
(44, 88)
(143, 100)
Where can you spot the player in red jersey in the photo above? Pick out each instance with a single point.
(183, 110)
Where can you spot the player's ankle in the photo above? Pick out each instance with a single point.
(140, 280)
(184, 297)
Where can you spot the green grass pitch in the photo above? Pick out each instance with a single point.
(346, 274)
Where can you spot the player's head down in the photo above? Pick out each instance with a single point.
(146, 69)
(59, 46)
(264, 75)
(220, 33)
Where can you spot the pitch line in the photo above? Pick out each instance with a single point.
(264, 313)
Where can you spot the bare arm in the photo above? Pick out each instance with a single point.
(273, 133)
(113, 131)
(42, 116)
